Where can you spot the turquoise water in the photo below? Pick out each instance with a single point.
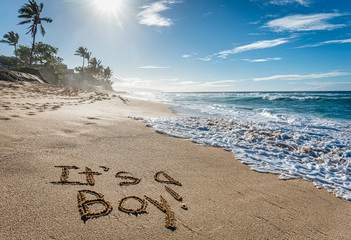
(329, 105)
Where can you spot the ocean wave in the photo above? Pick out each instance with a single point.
(290, 98)
(294, 134)
(316, 153)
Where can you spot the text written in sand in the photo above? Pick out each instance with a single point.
(104, 207)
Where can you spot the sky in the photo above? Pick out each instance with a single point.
(201, 45)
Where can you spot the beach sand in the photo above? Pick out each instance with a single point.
(43, 128)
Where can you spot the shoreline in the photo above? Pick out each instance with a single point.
(44, 126)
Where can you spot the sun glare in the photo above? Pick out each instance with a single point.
(111, 6)
(112, 10)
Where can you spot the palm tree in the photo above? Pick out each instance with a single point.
(107, 73)
(95, 66)
(82, 52)
(31, 12)
(95, 63)
(11, 38)
(88, 56)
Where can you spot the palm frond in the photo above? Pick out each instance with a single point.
(24, 22)
(26, 10)
(17, 37)
(25, 16)
(41, 7)
(46, 19)
(42, 30)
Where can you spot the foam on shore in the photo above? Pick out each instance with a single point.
(321, 154)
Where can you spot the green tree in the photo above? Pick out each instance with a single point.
(107, 74)
(82, 52)
(45, 54)
(31, 13)
(88, 56)
(23, 53)
(95, 66)
(12, 62)
(11, 39)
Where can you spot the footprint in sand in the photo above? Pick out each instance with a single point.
(68, 131)
(93, 118)
(5, 118)
(31, 113)
(55, 107)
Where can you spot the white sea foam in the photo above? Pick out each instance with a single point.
(278, 97)
(321, 155)
(269, 140)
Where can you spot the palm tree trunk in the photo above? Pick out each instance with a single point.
(31, 52)
(16, 50)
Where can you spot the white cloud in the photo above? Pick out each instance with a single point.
(202, 86)
(207, 14)
(305, 3)
(152, 67)
(150, 16)
(174, 79)
(206, 59)
(256, 34)
(328, 42)
(188, 83)
(255, 22)
(253, 46)
(295, 77)
(327, 83)
(299, 22)
(226, 81)
(327, 86)
(186, 56)
(263, 59)
(130, 81)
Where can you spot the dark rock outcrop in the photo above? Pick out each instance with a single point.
(14, 76)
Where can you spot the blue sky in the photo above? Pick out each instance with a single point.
(202, 45)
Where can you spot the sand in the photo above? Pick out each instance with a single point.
(43, 128)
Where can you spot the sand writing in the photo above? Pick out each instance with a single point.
(96, 205)
(104, 168)
(65, 175)
(164, 207)
(90, 180)
(90, 175)
(134, 180)
(169, 180)
(174, 194)
(83, 205)
(141, 209)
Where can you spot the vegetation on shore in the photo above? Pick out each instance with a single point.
(43, 60)
(31, 13)
(11, 39)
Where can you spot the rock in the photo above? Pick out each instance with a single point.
(14, 76)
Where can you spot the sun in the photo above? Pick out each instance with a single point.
(112, 11)
(110, 6)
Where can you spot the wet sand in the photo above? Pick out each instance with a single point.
(43, 128)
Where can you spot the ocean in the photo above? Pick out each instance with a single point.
(294, 134)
